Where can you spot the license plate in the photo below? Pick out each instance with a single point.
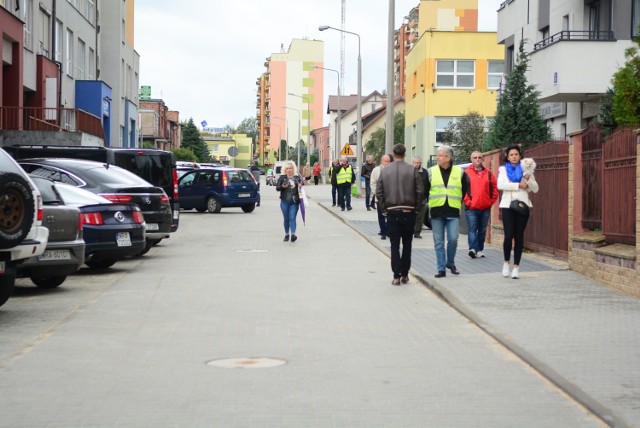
(153, 226)
(244, 195)
(55, 255)
(123, 239)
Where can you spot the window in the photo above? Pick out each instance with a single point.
(635, 20)
(509, 58)
(81, 59)
(441, 127)
(216, 147)
(28, 24)
(92, 64)
(455, 74)
(494, 74)
(57, 56)
(45, 33)
(68, 63)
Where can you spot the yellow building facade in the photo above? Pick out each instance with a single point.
(219, 146)
(451, 71)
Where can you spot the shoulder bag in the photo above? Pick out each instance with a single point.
(519, 207)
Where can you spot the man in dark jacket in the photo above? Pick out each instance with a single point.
(345, 177)
(417, 163)
(446, 186)
(333, 170)
(400, 193)
(366, 170)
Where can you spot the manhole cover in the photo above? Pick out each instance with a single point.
(247, 363)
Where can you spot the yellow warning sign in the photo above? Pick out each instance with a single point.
(346, 150)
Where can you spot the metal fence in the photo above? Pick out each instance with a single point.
(619, 155)
(548, 227)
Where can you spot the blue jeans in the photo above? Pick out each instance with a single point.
(382, 221)
(334, 193)
(438, 226)
(289, 214)
(344, 196)
(400, 225)
(477, 221)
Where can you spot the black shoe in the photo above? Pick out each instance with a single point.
(333, 205)
(454, 270)
(396, 281)
(368, 209)
(383, 237)
(417, 236)
(341, 209)
(404, 279)
(294, 238)
(472, 254)
(380, 233)
(286, 238)
(349, 208)
(441, 274)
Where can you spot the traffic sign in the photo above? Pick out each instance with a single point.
(233, 151)
(346, 150)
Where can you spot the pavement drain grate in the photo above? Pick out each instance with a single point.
(247, 363)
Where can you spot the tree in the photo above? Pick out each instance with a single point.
(466, 135)
(626, 84)
(191, 139)
(376, 144)
(183, 154)
(606, 117)
(248, 126)
(518, 118)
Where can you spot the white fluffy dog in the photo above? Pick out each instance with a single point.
(528, 166)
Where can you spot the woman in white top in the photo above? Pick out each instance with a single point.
(514, 185)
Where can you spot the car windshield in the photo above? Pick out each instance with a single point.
(239, 176)
(116, 176)
(7, 164)
(154, 167)
(47, 190)
(79, 197)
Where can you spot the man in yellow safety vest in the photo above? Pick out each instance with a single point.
(345, 177)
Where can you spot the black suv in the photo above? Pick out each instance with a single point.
(158, 167)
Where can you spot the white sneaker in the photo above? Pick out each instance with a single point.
(480, 254)
(514, 273)
(505, 270)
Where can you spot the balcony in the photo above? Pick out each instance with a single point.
(50, 119)
(570, 68)
(606, 36)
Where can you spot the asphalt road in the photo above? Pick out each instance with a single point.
(225, 325)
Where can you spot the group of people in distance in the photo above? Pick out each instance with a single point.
(404, 193)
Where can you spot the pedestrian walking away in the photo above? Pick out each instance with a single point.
(484, 188)
(446, 185)
(515, 184)
(375, 175)
(288, 185)
(345, 177)
(400, 193)
(316, 173)
(366, 170)
(333, 170)
(417, 231)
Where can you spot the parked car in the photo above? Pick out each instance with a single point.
(113, 183)
(157, 167)
(211, 189)
(22, 234)
(64, 253)
(112, 231)
(270, 178)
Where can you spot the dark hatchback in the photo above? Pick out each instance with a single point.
(113, 183)
(112, 231)
(211, 189)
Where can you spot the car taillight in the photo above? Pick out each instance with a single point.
(114, 197)
(94, 219)
(164, 198)
(175, 184)
(80, 222)
(138, 218)
(40, 210)
(225, 180)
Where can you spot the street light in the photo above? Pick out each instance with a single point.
(299, 120)
(337, 133)
(306, 99)
(359, 107)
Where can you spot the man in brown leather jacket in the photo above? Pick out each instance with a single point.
(400, 193)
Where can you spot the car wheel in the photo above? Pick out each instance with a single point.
(16, 209)
(248, 208)
(7, 283)
(100, 263)
(48, 281)
(213, 205)
(201, 210)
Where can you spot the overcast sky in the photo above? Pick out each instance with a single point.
(202, 57)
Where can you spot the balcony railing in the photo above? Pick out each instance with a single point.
(50, 119)
(606, 36)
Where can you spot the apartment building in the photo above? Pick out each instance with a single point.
(451, 70)
(57, 73)
(404, 39)
(289, 96)
(575, 48)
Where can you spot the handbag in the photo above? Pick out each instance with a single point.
(519, 207)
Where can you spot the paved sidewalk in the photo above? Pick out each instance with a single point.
(580, 335)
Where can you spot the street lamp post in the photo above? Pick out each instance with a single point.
(337, 133)
(299, 121)
(306, 99)
(359, 105)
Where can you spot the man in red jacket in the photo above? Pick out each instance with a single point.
(484, 191)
